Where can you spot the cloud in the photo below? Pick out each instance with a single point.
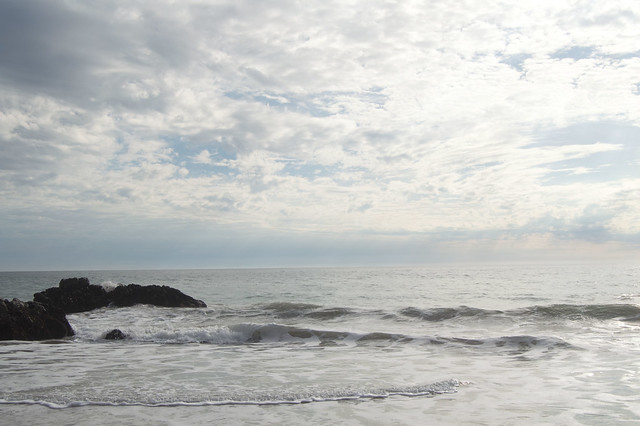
(372, 120)
(203, 158)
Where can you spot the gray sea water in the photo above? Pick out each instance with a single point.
(446, 344)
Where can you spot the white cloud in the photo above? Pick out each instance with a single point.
(323, 117)
(203, 158)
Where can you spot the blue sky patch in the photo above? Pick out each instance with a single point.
(574, 52)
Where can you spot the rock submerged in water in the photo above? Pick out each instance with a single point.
(32, 321)
(115, 334)
(77, 295)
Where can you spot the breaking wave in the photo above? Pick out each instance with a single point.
(316, 325)
(259, 334)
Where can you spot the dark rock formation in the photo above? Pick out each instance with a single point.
(115, 334)
(44, 318)
(74, 295)
(77, 295)
(134, 294)
(32, 321)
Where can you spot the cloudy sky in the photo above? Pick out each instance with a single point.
(215, 133)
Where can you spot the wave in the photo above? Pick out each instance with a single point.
(624, 312)
(311, 324)
(289, 310)
(261, 334)
(253, 398)
(305, 310)
(442, 314)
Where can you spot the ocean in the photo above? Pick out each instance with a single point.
(481, 344)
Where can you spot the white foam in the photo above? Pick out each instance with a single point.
(109, 285)
(216, 335)
(248, 398)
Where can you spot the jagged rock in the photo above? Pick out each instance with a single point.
(77, 295)
(44, 318)
(115, 334)
(74, 295)
(32, 321)
(134, 294)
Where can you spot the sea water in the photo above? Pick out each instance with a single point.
(446, 344)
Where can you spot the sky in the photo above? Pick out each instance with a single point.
(215, 133)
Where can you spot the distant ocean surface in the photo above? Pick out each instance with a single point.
(446, 344)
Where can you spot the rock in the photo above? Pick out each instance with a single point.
(115, 334)
(44, 318)
(74, 295)
(32, 321)
(166, 296)
(77, 295)
(74, 284)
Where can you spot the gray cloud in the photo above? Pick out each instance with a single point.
(71, 52)
(51, 49)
